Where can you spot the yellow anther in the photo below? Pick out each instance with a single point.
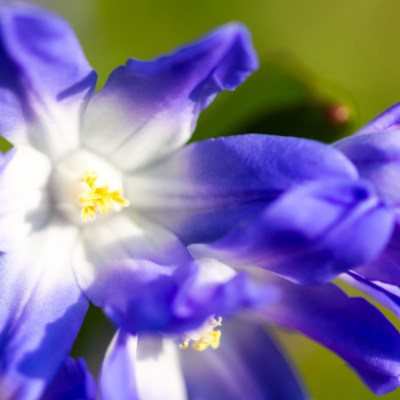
(209, 339)
(116, 196)
(215, 322)
(100, 197)
(88, 212)
(212, 339)
(185, 344)
(90, 179)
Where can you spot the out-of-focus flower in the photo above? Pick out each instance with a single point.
(375, 151)
(118, 157)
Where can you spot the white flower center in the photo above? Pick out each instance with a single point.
(82, 183)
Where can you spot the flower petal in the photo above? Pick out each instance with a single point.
(24, 199)
(147, 280)
(145, 369)
(247, 365)
(205, 189)
(44, 68)
(386, 267)
(158, 371)
(73, 382)
(118, 381)
(386, 294)
(342, 224)
(378, 383)
(351, 327)
(377, 158)
(389, 120)
(149, 109)
(41, 310)
(215, 289)
(109, 249)
(127, 260)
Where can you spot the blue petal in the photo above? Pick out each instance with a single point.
(386, 267)
(118, 381)
(73, 382)
(147, 280)
(41, 310)
(379, 384)
(386, 294)
(310, 234)
(127, 260)
(45, 79)
(247, 365)
(148, 109)
(204, 190)
(389, 120)
(179, 302)
(377, 158)
(351, 327)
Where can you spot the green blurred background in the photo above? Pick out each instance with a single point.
(327, 67)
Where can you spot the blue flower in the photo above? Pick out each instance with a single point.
(69, 212)
(248, 361)
(99, 201)
(375, 152)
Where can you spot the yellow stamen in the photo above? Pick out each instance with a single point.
(215, 322)
(212, 339)
(185, 344)
(209, 339)
(100, 197)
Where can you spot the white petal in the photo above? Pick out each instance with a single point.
(24, 195)
(158, 372)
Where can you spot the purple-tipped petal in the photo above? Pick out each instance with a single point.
(184, 300)
(45, 79)
(41, 311)
(147, 280)
(351, 327)
(389, 120)
(122, 247)
(205, 189)
(247, 365)
(148, 109)
(377, 158)
(73, 382)
(134, 268)
(310, 234)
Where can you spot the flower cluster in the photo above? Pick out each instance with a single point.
(251, 228)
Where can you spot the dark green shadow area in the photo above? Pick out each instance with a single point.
(5, 145)
(93, 338)
(284, 99)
